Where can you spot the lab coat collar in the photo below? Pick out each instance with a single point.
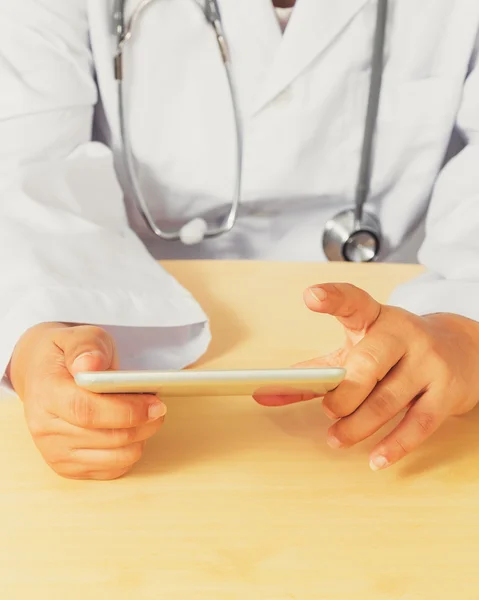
(314, 25)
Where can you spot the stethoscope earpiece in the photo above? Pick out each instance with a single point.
(118, 19)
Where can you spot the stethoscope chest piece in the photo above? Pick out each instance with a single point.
(346, 239)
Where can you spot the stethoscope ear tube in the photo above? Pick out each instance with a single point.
(355, 235)
(352, 235)
(118, 21)
(195, 230)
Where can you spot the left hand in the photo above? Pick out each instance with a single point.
(395, 361)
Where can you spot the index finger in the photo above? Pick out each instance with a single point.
(102, 411)
(367, 364)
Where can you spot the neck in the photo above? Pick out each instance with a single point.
(284, 3)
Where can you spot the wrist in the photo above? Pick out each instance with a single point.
(27, 345)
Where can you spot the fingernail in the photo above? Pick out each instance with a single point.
(329, 413)
(378, 462)
(86, 355)
(333, 442)
(156, 411)
(318, 294)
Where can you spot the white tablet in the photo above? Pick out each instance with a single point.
(281, 382)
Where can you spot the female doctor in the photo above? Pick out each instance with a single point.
(300, 113)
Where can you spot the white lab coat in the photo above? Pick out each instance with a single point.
(66, 252)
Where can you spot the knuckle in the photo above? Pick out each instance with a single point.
(78, 339)
(134, 414)
(99, 334)
(442, 366)
(123, 437)
(334, 408)
(383, 400)
(82, 410)
(64, 468)
(391, 340)
(427, 422)
(59, 455)
(342, 402)
(403, 446)
(335, 288)
(136, 452)
(129, 455)
(367, 360)
(96, 331)
(329, 408)
(346, 436)
(64, 471)
(37, 427)
(55, 458)
(338, 412)
(435, 351)
(89, 331)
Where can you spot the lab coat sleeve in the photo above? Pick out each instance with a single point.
(450, 251)
(66, 251)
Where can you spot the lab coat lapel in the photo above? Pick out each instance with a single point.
(314, 25)
(255, 38)
(254, 21)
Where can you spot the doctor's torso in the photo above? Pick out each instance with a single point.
(302, 98)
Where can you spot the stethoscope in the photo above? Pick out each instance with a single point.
(352, 235)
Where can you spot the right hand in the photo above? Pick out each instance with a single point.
(81, 435)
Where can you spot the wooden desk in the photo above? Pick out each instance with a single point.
(236, 502)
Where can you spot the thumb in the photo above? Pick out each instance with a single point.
(335, 359)
(354, 308)
(87, 348)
